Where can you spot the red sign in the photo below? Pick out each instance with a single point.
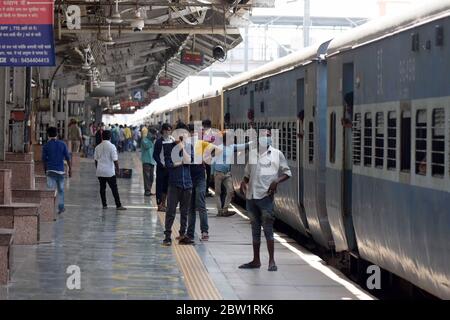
(17, 115)
(153, 94)
(165, 82)
(192, 57)
(26, 12)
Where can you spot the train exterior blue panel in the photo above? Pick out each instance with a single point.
(389, 70)
(334, 208)
(404, 229)
(399, 219)
(281, 106)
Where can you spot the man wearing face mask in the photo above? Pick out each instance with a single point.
(178, 164)
(162, 150)
(260, 185)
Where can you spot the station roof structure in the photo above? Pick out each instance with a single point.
(134, 42)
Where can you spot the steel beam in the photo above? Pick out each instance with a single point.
(161, 30)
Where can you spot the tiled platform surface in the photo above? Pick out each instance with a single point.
(120, 254)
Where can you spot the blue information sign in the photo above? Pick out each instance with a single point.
(26, 33)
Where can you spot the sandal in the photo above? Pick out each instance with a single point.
(249, 266)
(273, 268)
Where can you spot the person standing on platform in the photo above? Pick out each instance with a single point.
(198, 201)
(115, 136)
(128, 136)
(54, 153)
(148, 163)
(162, 151)
(74, 136)
(260, 185)
(221, 170)
(99, 134)
(107, 165)
(180, 184)
(208, 137)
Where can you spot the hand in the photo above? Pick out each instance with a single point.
(243, 187)
(273, 188)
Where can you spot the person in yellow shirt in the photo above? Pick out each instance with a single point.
(128, 136)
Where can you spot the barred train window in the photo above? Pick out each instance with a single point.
(368, 139)
(289, 141)
(294, 141)
(405, 141)
(392, 140)
(357, 139)
(438, 143)
(332, 137)
(379, 140)
(283, 138)
(421, 142)
(311, 142)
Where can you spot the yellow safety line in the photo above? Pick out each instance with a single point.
(198, 282)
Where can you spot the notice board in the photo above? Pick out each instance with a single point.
(26, 33)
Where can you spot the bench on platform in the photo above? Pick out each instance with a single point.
(46, 199)
(6, 240)
(24, 219)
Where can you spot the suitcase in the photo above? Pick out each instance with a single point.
(125, 173)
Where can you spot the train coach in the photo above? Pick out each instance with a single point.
(364, 122)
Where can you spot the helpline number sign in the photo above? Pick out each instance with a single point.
(26, 33)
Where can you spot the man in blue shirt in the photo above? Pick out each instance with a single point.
(177, 162)
(54, 153)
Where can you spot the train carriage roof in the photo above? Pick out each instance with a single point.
(388, 26)
(290, 61)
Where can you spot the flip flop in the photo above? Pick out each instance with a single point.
(249, 266)
(273, 268)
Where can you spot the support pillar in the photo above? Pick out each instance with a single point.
(3, 118)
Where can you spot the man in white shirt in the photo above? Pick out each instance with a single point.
(260, 185)
(107, 164)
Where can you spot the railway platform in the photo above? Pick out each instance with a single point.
(119, 254)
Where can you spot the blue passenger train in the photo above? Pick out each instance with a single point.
(364, 122)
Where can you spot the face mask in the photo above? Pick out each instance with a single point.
(265, 141)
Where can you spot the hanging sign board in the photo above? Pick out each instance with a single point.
(165, 82)
(191, 57)
(26, 33)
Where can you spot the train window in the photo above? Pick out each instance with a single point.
(357, 139)
(289, 141)
(332, 137)
(267, 85)
(262, 107)
(379, 140)
(392, 140)
(261, 86)
(368, 139)
(438, 143)
(294, 141)
(245, 90)
(283, 138)
(421, 142)
(256, 87)
(311, 142)
(405, 140)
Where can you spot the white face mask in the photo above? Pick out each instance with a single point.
(265, 141)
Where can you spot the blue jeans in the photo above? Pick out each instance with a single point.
(260, 212)
(198, 203)
(56, 182)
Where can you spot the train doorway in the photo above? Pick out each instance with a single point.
(348, 96)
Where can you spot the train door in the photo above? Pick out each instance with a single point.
(300, 144)
(348, 95)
